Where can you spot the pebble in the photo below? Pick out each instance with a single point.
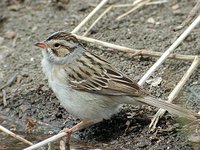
(151, 20)
(143, 144)
(23, 108)
(32, 59)
(175, 7)
(1, 40)
(34, 28)
(194, 138)
(10, 34)
(14, 7)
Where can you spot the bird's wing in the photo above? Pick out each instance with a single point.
(104, 80)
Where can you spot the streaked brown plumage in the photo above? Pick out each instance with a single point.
(88, 86)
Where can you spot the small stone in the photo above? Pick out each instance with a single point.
(32, 59)
(143, 144)
(175, 7)
(7, 109)
(154, 82)
(14, 7)
(151, 20)
(10, 34)
(23, 108)
(194, 138)
(1, 40)
(4, 52)
(34, 28)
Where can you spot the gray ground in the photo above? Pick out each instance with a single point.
(31, 97)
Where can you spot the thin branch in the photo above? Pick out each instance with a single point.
(101, 4)
(133, 9)
(9, 82)
(103, 14)
(168, 51)
(106, 44)
(4, 98)
(175, 92)
(45, 142)
(62, 144)
(159, 54)
(135, 52)
(119, 6)
(157, 2)
(15, 135)
(190, 16)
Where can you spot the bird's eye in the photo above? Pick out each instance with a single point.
(56, 45)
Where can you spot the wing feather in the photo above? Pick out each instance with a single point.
(105, 80)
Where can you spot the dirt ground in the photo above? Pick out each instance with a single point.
(25, 22)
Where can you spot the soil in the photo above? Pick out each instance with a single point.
(25, 22)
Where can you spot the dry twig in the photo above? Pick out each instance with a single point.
(101, 4)
(4, 98)
(45, 142)
(62, 144)
(190, 16)
(137, 6)
(168, 51)
(15, 135)
(175, 92)
(157, 2)
(135, 52)
(9, 82)
(119, 6)
(103, 14)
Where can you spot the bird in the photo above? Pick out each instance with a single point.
(88, 86)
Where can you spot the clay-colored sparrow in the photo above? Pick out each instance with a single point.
(88, 86)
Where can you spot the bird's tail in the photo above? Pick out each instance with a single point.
(171, 108)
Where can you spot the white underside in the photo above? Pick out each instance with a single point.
(84, 105)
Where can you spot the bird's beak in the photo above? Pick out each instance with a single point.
(41, 45)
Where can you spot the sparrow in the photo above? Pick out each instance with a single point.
(88, 86)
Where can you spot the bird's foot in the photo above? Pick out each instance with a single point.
(68, 132)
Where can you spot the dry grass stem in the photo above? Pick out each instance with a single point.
(45, 142)
(103, 14)
(159, 54)
(119, 6)
(175, 92)
(135, 52)
(62, 144)
(9, 82)
(168, 51)
(49, 146)
(137, 6)
(4, 98)
(14, 41)
(190, 16)
(101, 4)
(157, 2)
(3, 129)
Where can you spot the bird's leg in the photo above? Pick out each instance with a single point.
(79, 126)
